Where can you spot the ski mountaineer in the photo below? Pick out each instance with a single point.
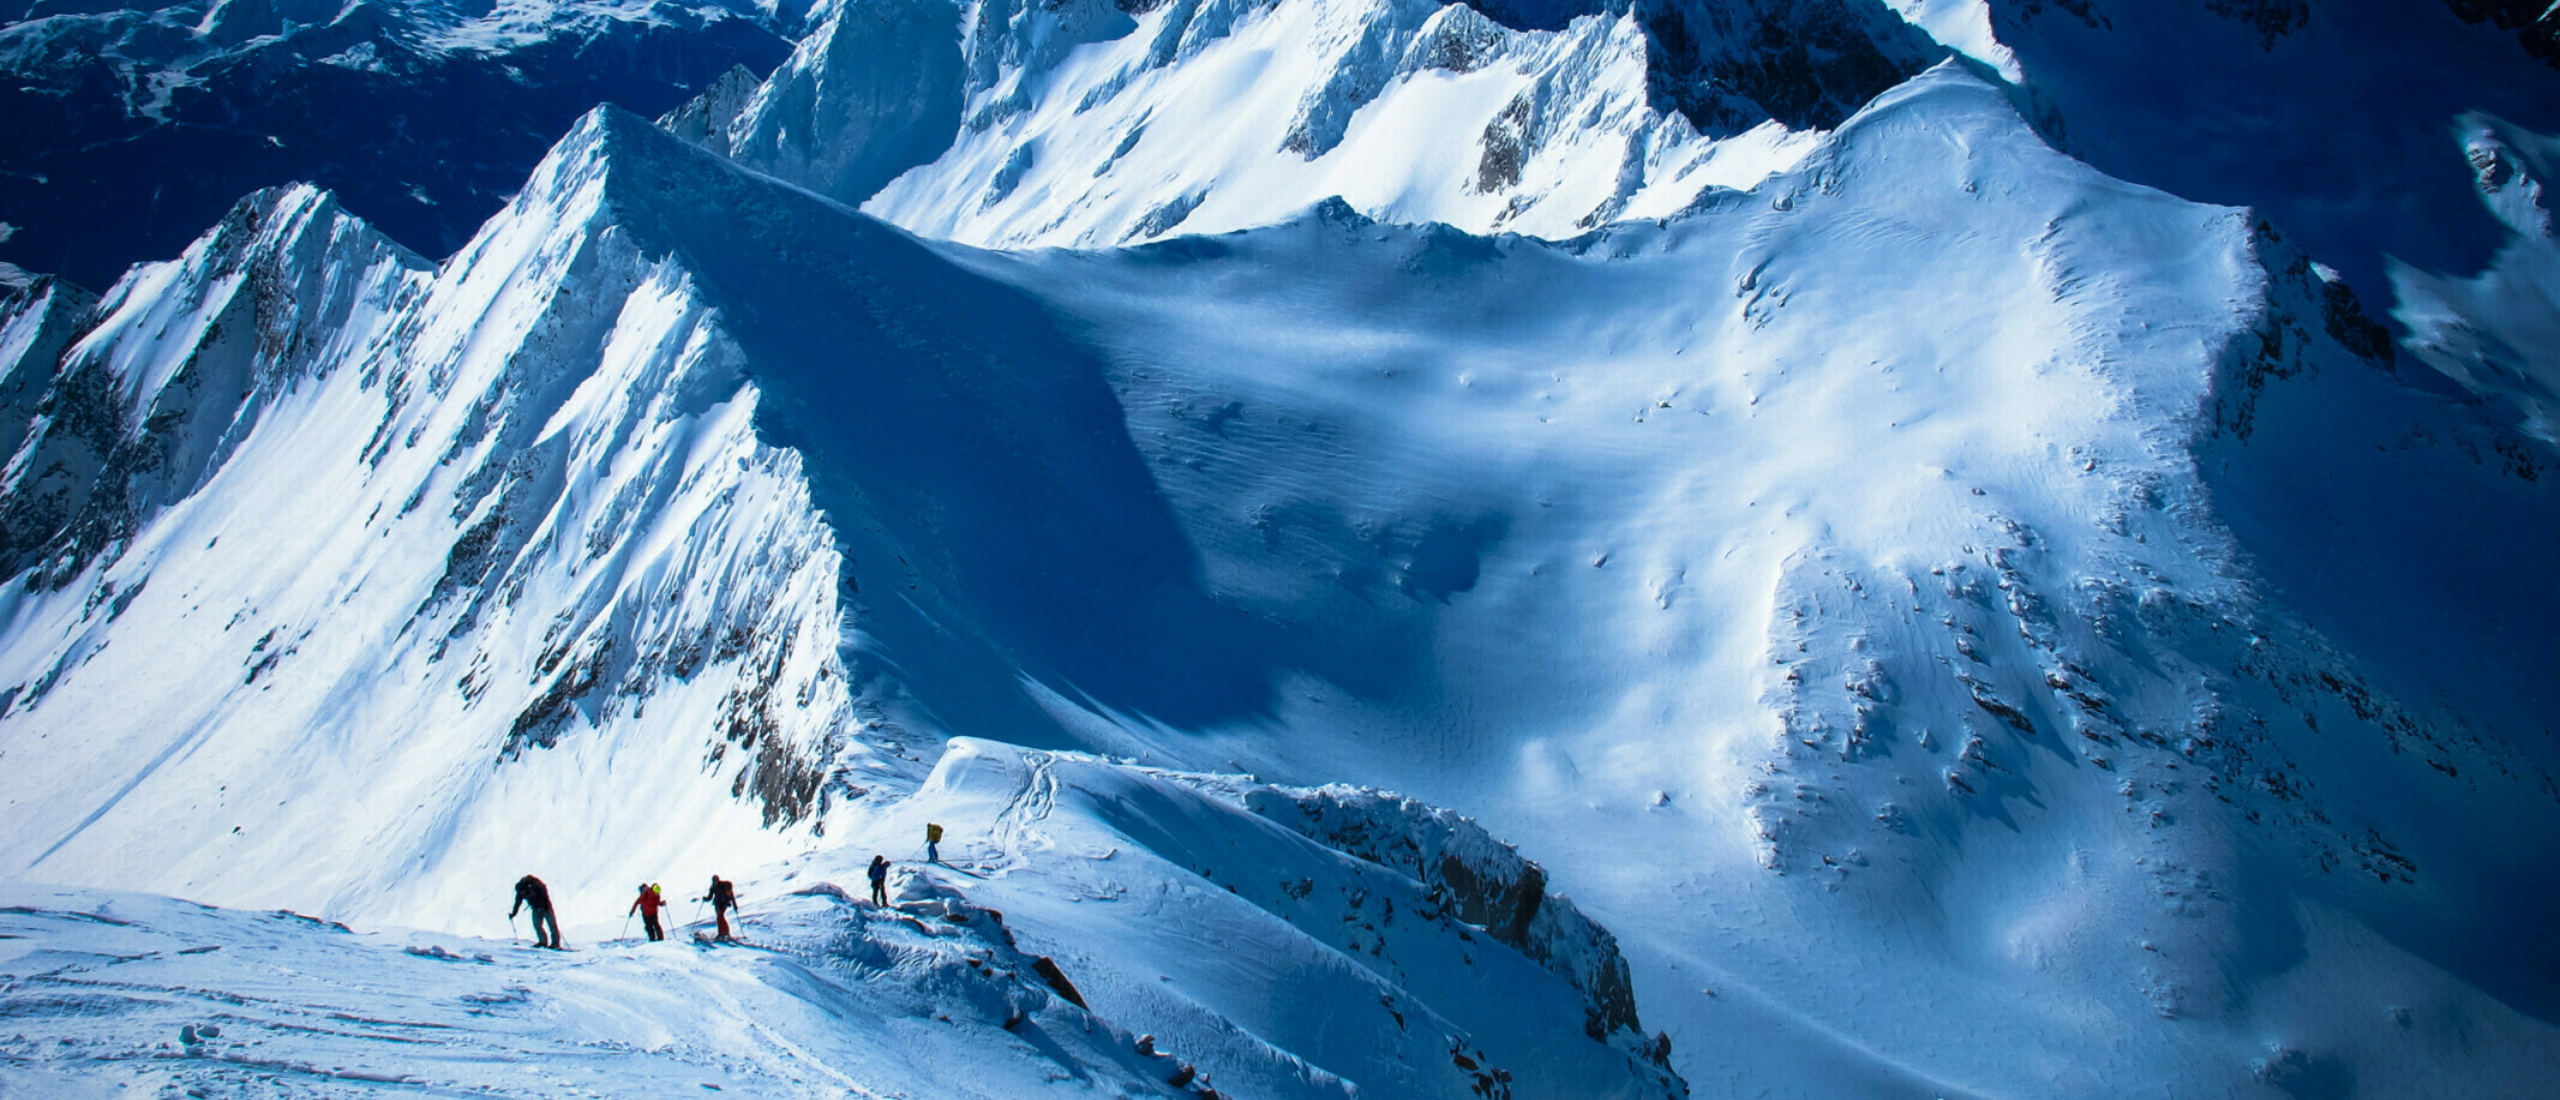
(932, 842)
(531, 892)
(647, 906)
(880, 881)
(723, 897)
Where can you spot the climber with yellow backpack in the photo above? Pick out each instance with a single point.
(647, 906)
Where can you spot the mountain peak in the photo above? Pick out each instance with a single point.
(1867, 567)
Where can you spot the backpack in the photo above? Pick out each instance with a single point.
(932, 833)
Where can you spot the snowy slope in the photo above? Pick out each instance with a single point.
(1906, 618)
(2332, 118)
(1940, 617)
(2346, 123)
(1275, 937)
(1281, 983)
(1878, 597)
(496, 529)
(2397, 148)
(1201, 118)
(111, 992)
(2493, 332)
(1032, 126)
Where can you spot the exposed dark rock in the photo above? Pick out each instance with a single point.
(1048, 970)
(2537, 27)
(2272, 19)
(1505, 147)
(1806, 63)
(101, 452)
(1163, 218)
(1479, 880)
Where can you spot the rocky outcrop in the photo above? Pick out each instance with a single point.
(1808, 64)
(1560, 123)
(184, 359)
(37, 321)
(1478, 879)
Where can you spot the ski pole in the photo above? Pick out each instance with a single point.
(511, 926)
(626, 926)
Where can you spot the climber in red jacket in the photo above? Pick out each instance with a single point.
(647, 906)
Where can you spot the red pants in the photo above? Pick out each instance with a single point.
(721, 914)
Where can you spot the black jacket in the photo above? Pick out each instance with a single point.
(530, 891)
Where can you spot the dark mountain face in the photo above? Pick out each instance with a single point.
(1805, 63)
(1731, 64)
(2535, 25)
(2334, 118)
(123, 133)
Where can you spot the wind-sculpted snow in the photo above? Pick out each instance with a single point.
(2497, 333)
(872, 92)
(2330, 118)
(119, 991)
(1283, 957)
(1863, 529)
(1110, 877)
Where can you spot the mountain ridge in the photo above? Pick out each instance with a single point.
(1919, 554)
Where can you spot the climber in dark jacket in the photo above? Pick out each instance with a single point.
(531, 892)
(723, 897)
(880, 880)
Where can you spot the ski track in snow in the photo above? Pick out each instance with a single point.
(109, 992)
(931, 998)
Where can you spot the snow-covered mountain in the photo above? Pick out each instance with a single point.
(1281, 942)
(1936, 619)
(126, 129)
(1094, 124)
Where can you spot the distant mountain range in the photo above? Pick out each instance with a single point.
(124, 131)
(1811, 549)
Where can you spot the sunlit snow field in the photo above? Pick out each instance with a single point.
(1935, 620)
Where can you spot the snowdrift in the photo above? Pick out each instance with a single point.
(1124, 875)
